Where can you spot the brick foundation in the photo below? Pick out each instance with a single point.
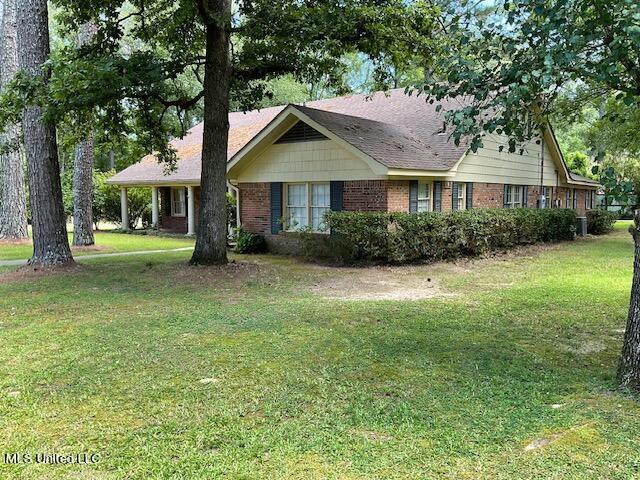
(174, 224)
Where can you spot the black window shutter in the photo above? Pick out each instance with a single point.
(454, 196)
(166, 200)
(575, 198)
(469, 201)
(525, 196)
(437, 196)
(336, 189)
(413, 196)
(276, 207)
(505, 196)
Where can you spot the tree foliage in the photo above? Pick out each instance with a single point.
(518, 62)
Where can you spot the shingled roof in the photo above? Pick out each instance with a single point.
(391, 145)
(398, 130)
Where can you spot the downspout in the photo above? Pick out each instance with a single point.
(237, 192)
(541, 198)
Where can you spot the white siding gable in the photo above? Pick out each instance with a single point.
(491, 165)
(321, 160)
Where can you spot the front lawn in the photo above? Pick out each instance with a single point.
(271, 368)
(106, 242)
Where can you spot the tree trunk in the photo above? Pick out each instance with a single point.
(50, 242)
(13, 203)
(629, 366)
(82, 193)
(211, 233)
(83, 172)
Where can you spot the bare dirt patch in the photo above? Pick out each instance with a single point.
(234, 273)
(380, 283)
(586, 347)
(28, 272)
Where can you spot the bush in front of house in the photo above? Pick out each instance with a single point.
(600, 221)
(247, 242)
(410, 237)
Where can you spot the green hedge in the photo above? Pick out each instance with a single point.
(409, 237)
(600, 221)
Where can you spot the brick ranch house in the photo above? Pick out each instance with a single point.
(382, 152)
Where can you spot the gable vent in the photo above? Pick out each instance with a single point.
(301, 132)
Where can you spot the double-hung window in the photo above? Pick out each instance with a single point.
(178, 204)
(568, 202)
(546, 191)
(424, 197)
(459, 200)
(514, 196)
(306, 204)
(587, 199)
(320, 204)
(297, 206)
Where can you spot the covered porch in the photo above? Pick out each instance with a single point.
(173, 207)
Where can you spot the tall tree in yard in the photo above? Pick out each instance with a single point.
(13, 205)
(232, 49)
(50, 242)
(519, 61)
(83, 172)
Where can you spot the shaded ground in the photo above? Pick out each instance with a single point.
(254, 370)
(105, 242)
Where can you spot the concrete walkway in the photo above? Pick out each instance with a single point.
(17, 263)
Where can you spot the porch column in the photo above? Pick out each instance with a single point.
(191, 211)
(124, 208)
(154, 207)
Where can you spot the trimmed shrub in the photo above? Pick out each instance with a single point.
(247, 242)
(409, 237)
(600, 221)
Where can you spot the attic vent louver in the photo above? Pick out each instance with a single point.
(301, 132)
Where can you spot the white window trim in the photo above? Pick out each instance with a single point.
(462, 196)
(183, 200)
(511, 203)
(428, 198)
(308, 206)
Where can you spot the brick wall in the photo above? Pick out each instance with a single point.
(366, 195)
(447, 201)
(487, 195)
(174, 224)
(374, 195)
(580, 208)
(398, 195)
(255, 207)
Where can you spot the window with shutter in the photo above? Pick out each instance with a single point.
(424, 197)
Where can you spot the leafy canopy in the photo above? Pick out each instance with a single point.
(142, 72)
(519, 60)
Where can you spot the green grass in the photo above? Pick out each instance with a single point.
(109, 359)
(105, 243)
